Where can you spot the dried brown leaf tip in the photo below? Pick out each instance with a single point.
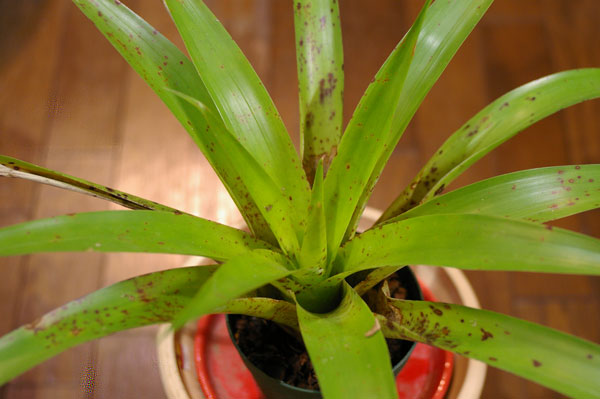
(376, 327)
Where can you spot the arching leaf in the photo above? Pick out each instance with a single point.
(549, 357)
(477, 242)
(128, 231)
(492, 126)
(538, 195)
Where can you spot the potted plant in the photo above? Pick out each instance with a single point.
(303, 265)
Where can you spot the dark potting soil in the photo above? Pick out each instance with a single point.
(283, 356)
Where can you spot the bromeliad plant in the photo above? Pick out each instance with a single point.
(303, 214)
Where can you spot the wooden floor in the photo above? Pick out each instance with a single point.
(68, 102)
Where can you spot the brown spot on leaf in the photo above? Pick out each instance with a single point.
(486, 334)
(536, 363)
(436, 311)
(308, 121)
(326, 88)
(34, 325)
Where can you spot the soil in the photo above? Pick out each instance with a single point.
(283, 356)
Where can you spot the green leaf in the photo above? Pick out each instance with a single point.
(559, 361)
(365, 137)
(478, 242)
(446, 26)
(279, 311)
(239, 96)
(128, 231)
(348, 351)
(492, 126)
(276, 206)
(538, 195)
(320, 60)
(12, 167)
(374, 277)
(233, 279)
(163, 66)
(149, 299)
(313, 253)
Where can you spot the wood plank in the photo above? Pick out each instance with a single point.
(128, 367)
(81, 120)
(33, 392)
(516, 10)
(282, 78)
(81, 143)
(25, 86)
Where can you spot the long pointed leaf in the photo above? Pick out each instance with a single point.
(559, 361)
(12, 167)
(275, 204)
(144, 300)
(492, 126)
(239, 96)
(128, 231)
(538, 195)
(234, 278)
(363, 142)
(163, 66)
(320, 60)
(313, 253)
(446, 26)
(472, 242)
(348, 351)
